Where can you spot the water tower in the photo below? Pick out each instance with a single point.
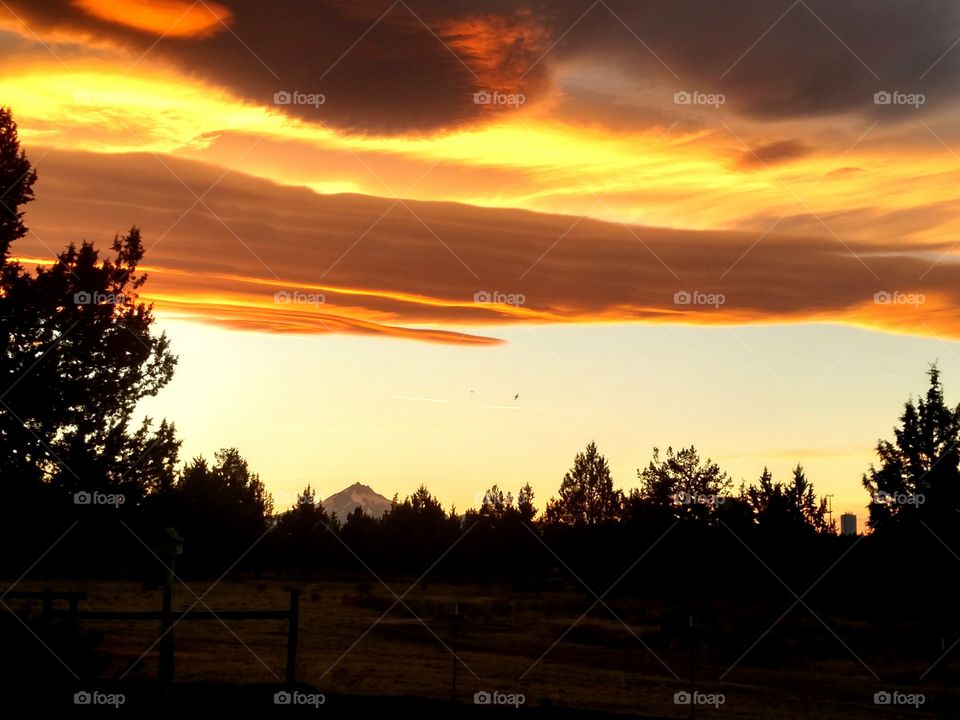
(848, 524)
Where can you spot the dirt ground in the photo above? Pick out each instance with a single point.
(354, 640)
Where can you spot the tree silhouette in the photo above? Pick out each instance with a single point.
(788, 508)
(769, 501)
(303, 533)
(225, 509)
(78, 354)
(810, 511)
(586, 494)
(525, 503)
(495, 504)
(16, 184)
(919, 472)
(362, 533)
(414, 528)
(682, 485)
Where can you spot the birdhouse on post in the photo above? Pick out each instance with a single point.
(171, 543)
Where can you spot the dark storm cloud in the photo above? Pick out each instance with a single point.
(402, 67)
(381, 67)
(784, 59)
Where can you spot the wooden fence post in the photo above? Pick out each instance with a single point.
(166, 630)
(293, 634)
(47, 607)
(456, 659)
(74, 612)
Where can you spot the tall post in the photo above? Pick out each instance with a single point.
(693, 690)
(456, 629)
(47, 603)
(166, 630)
(944, 676)
(74, 613)
(293, 634)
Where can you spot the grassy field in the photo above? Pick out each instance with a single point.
(351, 645)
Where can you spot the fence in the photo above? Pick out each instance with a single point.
(291, 614)
(47, 598)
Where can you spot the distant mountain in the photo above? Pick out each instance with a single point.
(357, 495)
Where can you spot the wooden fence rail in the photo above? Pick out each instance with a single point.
(74, 615)
(47, 598)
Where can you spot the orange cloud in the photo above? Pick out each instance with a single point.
(665, 176)
(174, 18)
(499, 49)
(264, 317)
(260, 256)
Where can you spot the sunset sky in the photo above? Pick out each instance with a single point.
(369, 226)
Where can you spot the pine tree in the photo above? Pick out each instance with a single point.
(586, 494)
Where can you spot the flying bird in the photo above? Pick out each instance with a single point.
(516, 396)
